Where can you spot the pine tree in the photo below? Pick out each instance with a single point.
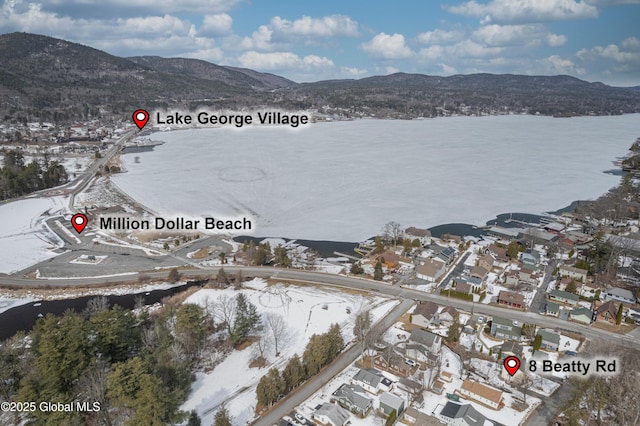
(246, 321)
(222, 417)
(293, 373)
(619, 315)
(356, 269)
(537, 342)
(377, 271)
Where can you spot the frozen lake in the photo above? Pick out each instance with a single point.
(343, 181)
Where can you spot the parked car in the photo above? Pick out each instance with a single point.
(410, 362)
(300, 419)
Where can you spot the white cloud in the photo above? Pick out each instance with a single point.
(521, 11)
(283, 61)
(631, 43)
(439, 36)
(430, 53)
(390, 70)
(259, 40)
(152, 6)
(387, 46)
(471, 49)
(556, 40)
(325, 27)
(447, 70)
(216, 25)
(353, 72)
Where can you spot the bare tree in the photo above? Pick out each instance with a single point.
(96, 304)
(237, 283)
(392, 232)
(263, 344)
(224, 310)
(361, 328)
(278, 328)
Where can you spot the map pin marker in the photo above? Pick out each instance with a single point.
(140, 117)
(79, 221)
(511, 364)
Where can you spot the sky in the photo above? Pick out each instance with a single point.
(594, 40)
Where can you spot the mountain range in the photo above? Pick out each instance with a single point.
(48, 79)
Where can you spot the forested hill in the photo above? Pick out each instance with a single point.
(48, 79)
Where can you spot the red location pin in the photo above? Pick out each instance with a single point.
(511, 364)
(79, 221)
(140, 117)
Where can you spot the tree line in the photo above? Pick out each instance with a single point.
(18, 178)
(137, 367)
(320, 351)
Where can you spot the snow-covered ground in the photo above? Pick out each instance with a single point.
(24, 237)
(343, 181)
(232, 381)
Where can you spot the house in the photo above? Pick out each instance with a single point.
(424, 235)
(511, 278)
(353, 398)
(479, 272)
(499, 253)
(463, 415)
(564, 297)
(485, 261)
(447, 255)
(412, 416)
(390, 259)
(462, 286)
(511, 348)
(451, 237)
(577, 274)
(423, 313)
(331, 414)
(529, 258)
(607, 312)
(430, 271)
(390, 402)
(505, 329)
(511, 299)
(583, 315)
(553, 309)
(394, 363)
(371, 380)
(527, 275)
(423, 346)
(468, 284)
(483, 394)
(619, 294)
(550, 340)
(447, 316)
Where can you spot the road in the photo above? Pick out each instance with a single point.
(305, 391)
(319, 278)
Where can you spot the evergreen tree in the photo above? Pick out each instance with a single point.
(392, 418)
(270, 387)
(453, 334)
(194, 419)
(131, 386)
(356, 269)
(572, 287)
(247, 319)
(293, 373)
(513, 250)
(222, 417)
(619, 315)
(537, 343)
(377, 271)
(115, 333)
(192, 328)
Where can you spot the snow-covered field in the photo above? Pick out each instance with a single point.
(343, 181)
(232, 382)
(24, 237)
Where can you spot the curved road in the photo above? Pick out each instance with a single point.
(351, 283)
